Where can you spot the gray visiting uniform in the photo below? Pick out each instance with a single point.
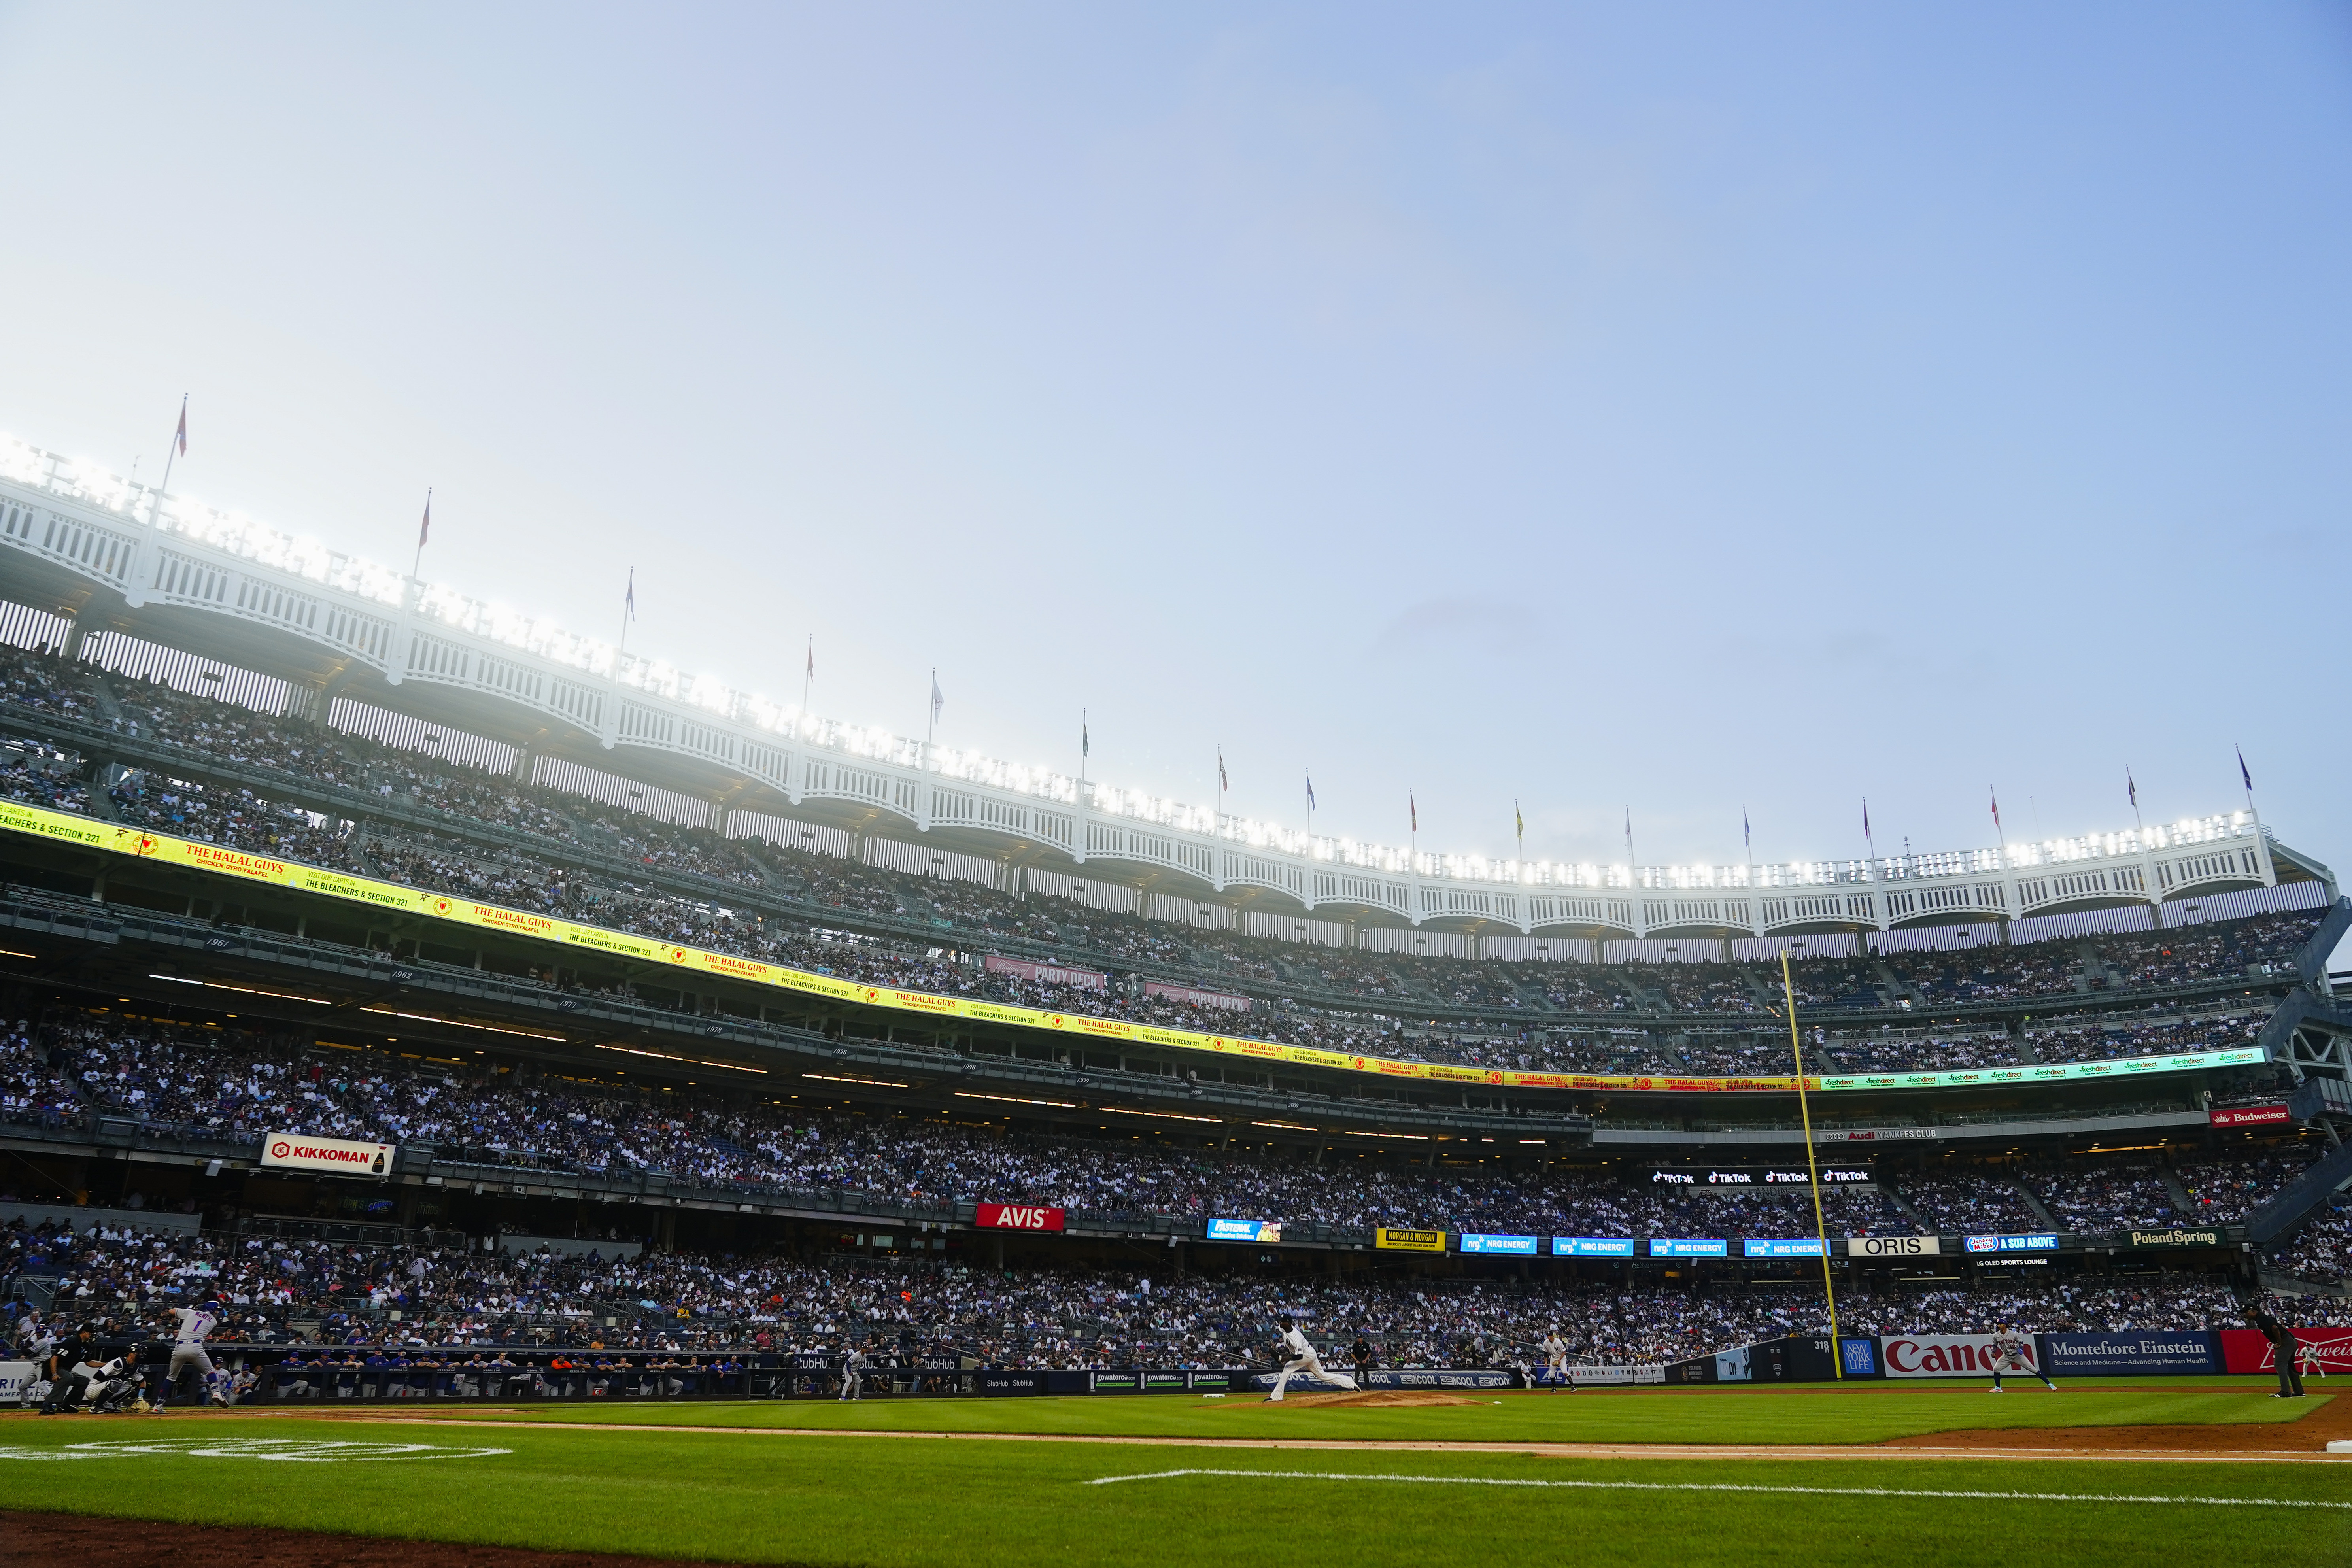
(853, 1368)
(188, 1347)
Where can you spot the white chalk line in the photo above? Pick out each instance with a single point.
(1723, 1487)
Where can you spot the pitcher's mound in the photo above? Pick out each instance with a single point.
(1372, 1399)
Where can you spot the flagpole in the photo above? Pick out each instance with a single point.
(421, 533)
(171, 450)
(1812, 1168)
(2132, 789)
(808, 673)
(628, 614)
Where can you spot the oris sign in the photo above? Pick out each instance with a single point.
(336, 1156)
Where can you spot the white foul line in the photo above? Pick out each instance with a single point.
(1724, 1486)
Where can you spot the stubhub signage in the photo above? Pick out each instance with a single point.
(1520, 1246)
(1592, 1246)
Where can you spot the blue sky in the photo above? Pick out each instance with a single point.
(1682, 407)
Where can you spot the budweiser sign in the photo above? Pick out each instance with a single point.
(1017, 1217)
(1048, 973)
(1197, 997)
(337, 1156)
(2251, 1116)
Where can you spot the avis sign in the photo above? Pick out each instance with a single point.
(334, 1156)
(1017, 1217)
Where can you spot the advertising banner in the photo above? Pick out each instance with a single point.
(1592, 1246)
(1893, 1245)
(993, 1380)
(15, 1377)
(1245, 1230)
(1047, 974)
(2178, 1236)
(1777, 1246)
(1860, 1356)
(123, 839)
(337, 1156)
(1604, 1377)
(2042, 1242)
(1516, 1246)
(1758, 1176)
(1197, 997)
(2117, 1355)
(1017, 1216)
(1390, 1240)
(1688, 1247)
(2249, 1116)
(2325, 1350)
(1946, 1355)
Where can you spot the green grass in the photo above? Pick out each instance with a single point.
(1869, 1413)
(912, 1504)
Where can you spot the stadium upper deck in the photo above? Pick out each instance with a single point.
(113, 555)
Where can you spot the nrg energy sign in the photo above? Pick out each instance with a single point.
(394, 898)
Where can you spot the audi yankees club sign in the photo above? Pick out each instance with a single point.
(334, 1156)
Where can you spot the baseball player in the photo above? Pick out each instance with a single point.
(854, 1362)
(2010, 1352)
(190, 1325)
(1554, 1354)
(1305, 1361)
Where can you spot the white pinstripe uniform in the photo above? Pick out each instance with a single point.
(1306, 1361)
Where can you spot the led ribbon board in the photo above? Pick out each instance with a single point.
(163, 847)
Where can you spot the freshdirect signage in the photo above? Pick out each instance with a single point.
(113, 838)
(1754, 1178)
(1017, 1216)
(1387, 1240)
(1592, 1246)
(1245, 1230)
(2175, 1236)
(2249, 1116)
(1688, 1247)
(1893, 1245)
(339, 1156)
(1519, 1246)
(1774, 1247)
(2041, 1243)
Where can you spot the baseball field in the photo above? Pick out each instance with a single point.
(2189, 1471)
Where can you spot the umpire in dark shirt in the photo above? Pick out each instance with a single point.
(69, 1369)
(2284, 1351)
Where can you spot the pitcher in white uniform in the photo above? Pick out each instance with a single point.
(1305, 1361)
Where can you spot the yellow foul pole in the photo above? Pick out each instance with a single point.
(1812, 1168)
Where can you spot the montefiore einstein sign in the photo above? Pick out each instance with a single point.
(337, 1156)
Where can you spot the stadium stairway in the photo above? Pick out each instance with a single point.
(2311, 963)
(2034, 1202)
(2279, 1218)
(2174, 1188)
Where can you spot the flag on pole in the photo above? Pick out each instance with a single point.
(1519, 825)
(2245, 777)
(1223, 786)
(1746, 833)
(2131, 790)
(1311, 789)
(1629, 835)
(424, 528)
(629, 599)
(1086, 741)
(938, 702)
(812, 656)
(181, 436)
(1412, 810)
(1996, 806)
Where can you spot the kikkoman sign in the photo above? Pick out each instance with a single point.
(336, 1156)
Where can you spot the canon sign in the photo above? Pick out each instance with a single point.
(1946, 1355)
(1017, 1216)
(338, 1156)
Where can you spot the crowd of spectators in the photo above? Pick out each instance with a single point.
(2125, 1035)
(2105, 1198)
(592, 860)
(1970, 1203)
(813, 1305)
